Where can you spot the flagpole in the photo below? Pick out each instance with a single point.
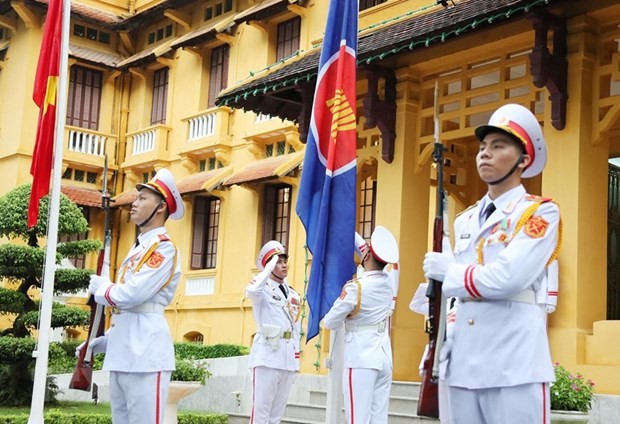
(335, 363)
(47, 286)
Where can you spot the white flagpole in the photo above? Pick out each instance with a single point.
(47, 287)
(335, 364)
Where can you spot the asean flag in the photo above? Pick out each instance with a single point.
(326, 203)
(45, 95)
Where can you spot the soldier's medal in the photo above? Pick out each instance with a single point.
(343, 294)
(536, 227)
(155, 260)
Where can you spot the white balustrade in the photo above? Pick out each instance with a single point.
(202, 126)
(144, 142)
(87, 143)
(199, 286)
(262, 118)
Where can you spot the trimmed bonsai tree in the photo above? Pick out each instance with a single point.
(21, 271)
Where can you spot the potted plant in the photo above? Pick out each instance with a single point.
(571, 397)
(185, 380)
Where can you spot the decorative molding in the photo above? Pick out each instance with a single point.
(551, 70)
(255, 148)
(140, 73)
(292, 137)
(166, 61)
(231, 40)
(222, 154)
(298, 10)
(259, 26)
(381, 113)
(128, 41)
(189, 164)
(113, 75)
(8, 23)
(31, 19)
(183, 19)
(292, 181)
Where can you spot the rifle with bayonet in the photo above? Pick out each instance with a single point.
(428, 404)
(83, 375)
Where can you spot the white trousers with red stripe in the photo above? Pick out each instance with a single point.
(367, 394)
(523, 404)
(271, 388)
(138, 397)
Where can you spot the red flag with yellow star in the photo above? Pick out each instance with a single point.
(45, 96)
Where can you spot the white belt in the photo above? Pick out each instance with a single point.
(146, 308)
(526, 296)
(380, 326)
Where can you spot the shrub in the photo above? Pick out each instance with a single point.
(190, 370)
(59, 417)
(571, 392)
(198, 351)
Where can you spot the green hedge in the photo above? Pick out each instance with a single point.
(62, 355)
(58, 417)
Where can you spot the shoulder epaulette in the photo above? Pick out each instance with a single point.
(535, 198)
(353, 280)
(465, 210)
(164, 237)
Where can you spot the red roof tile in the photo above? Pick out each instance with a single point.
(94, 56)
(126, 198)
(203, 181)
(266, 168)
(82, 196)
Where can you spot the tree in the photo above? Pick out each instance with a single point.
(21, 270)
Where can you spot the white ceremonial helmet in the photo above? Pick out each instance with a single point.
(522, 124)
(267, 252)
(164, 185)
(383, 245)
(361, 246)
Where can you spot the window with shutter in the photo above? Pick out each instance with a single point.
(160, 96)
(276, 218)
(84, 98)
(367, 207)
(367, 4)
(218, 77)
(288, 38)
(205, 232)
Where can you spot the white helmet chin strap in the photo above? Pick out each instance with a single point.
(512, 171)
(147, 220)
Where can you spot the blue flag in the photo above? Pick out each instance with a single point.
(326, 203)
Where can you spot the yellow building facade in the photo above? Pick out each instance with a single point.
(219, 92)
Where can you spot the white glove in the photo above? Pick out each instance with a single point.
(98, 345)
(97, 281)
(271, 265)
(436, 265)
(361, 246)
(266, 272)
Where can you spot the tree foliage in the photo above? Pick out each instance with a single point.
(21, 268)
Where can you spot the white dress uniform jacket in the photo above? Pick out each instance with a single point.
(364, 347)
(276, 343)
(140, 341)
(500, 338)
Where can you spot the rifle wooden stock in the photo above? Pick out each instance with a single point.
(428, 403)
(83, 375)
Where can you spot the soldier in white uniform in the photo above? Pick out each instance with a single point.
(365, 306)
(274, 356)
(500, 366)
(139, 352)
